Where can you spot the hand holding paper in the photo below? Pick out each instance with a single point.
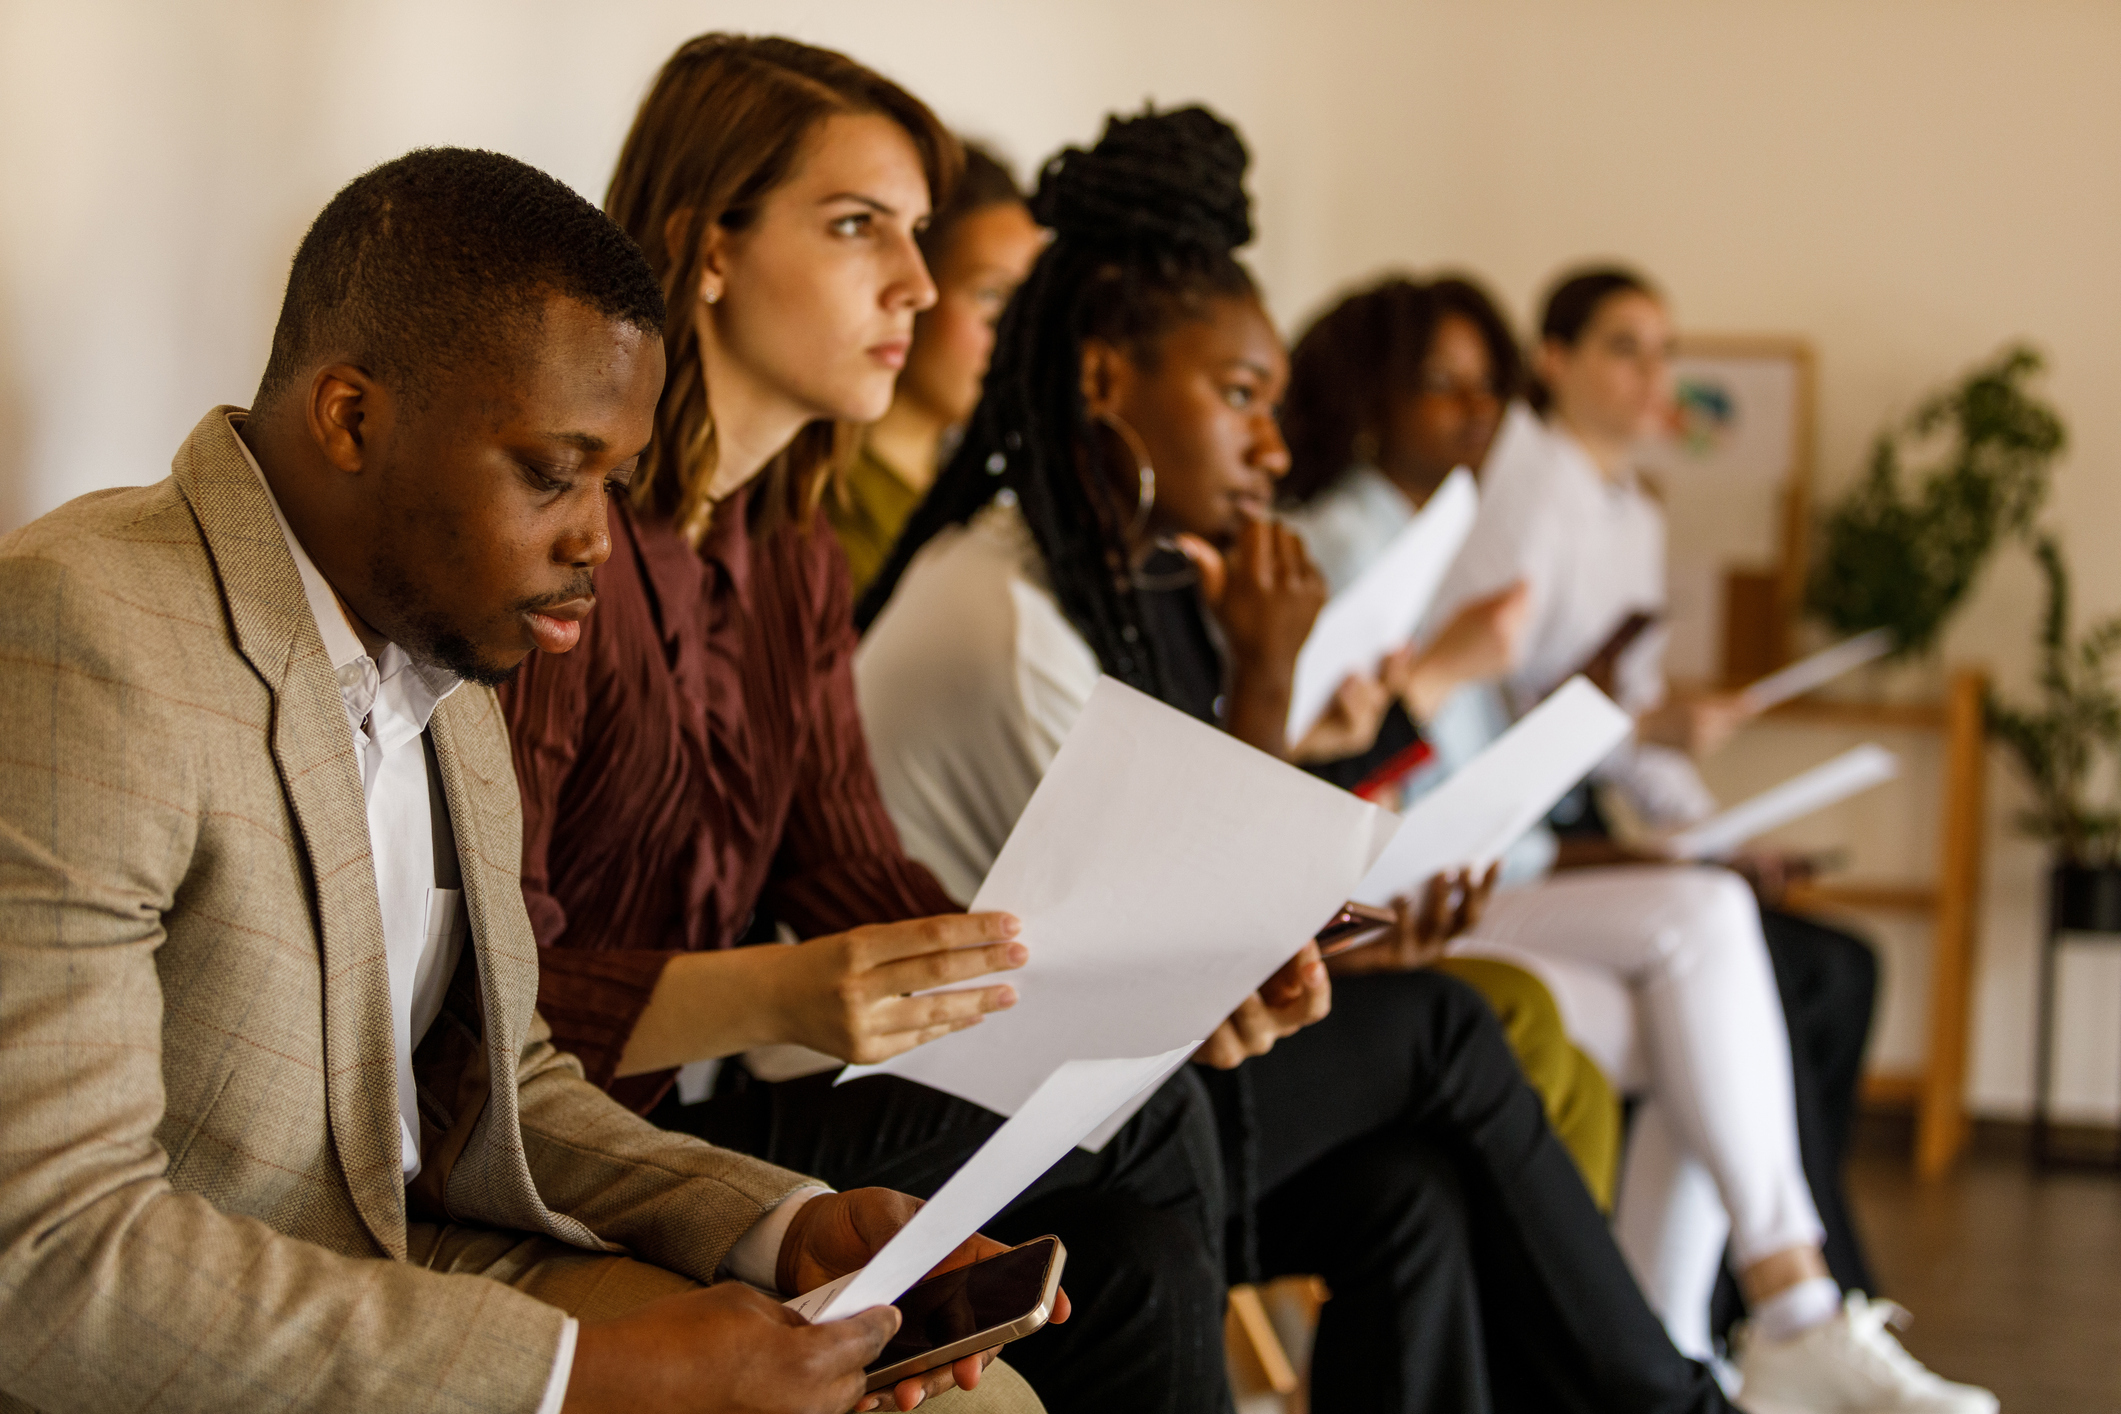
(1162, 871)
(1074, 1100)
(1472, 818)
(1381, 609)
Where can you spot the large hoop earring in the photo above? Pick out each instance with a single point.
(1144, 473)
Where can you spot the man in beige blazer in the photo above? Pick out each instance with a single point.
(215, 1045)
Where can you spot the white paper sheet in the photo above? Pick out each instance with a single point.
(1847, 774)
(1817, 670)
(1073, 1101)
(1162, 871)
(1472, 818)
(1379, 612)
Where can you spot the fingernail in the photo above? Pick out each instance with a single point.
(1018, 954)
(1011, 925)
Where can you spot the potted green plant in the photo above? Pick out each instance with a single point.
(2064, 743)
(1904, 559)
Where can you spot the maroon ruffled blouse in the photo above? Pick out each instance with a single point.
(696, 760)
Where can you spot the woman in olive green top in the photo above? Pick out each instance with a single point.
(979, 246)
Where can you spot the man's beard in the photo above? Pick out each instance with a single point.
(429, 634)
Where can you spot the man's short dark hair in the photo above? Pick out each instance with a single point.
(432, 263)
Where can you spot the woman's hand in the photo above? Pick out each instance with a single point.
(1349, 725)
(1265, 593)
(1271, 595)
(837, 1233)
(1450, 907)
(1695, 724)
(850, 994)
(846, 995)
(1478, 644)
(1298, 994)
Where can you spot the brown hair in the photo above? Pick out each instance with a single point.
(722, 126)
(985, 181)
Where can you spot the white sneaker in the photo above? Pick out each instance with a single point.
(1849, 1365)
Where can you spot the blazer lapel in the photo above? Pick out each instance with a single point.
(485, 811)
(314, 754)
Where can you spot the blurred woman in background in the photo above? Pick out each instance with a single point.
(1662, 972)
(979, 245)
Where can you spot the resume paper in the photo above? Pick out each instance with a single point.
(1377, 614)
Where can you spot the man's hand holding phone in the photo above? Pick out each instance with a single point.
(1298, 994)
(837, 1233)
(724, 1349)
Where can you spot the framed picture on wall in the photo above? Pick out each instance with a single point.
(1734, 468)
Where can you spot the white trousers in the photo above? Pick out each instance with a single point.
(1662, 977)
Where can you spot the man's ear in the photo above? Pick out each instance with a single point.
(343, 401)
(1107, 373)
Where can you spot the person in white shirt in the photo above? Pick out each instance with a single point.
(1661, 971)
(1392, 1146)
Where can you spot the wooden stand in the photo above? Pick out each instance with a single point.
(1937, 1091)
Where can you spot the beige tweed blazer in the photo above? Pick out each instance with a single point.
(200, 1195)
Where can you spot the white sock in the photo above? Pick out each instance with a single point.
(1794, 1310)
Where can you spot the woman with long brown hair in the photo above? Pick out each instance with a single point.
(694, 776)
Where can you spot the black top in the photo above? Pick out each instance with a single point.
(1190, 661)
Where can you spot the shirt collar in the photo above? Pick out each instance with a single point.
(1625, 483)
(393, 681)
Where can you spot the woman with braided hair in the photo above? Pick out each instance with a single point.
(1391, 1146)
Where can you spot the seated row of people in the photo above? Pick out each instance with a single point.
(362, 1021)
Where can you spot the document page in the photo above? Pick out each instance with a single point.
(1848, 774)
(1472, 818)
(1162, 871)
(1817, 670)
(1074, 1100)
(1379, 612)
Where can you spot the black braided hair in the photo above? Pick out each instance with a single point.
(1144, 224)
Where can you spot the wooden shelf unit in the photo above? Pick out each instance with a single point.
(1937, 1090)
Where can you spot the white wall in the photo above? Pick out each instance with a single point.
(1907, 183)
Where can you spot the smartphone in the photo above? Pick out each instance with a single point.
(1354, 926)
(998, 1299)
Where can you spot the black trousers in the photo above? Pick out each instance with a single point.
(1141, 1219)
(1829, 985)
(1402, 1156)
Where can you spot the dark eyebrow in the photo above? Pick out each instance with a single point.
(881, 208)
(580, 441)
(1258, 370)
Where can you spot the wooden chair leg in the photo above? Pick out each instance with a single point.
(1255, 1351)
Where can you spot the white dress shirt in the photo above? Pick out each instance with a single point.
(390, 699)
